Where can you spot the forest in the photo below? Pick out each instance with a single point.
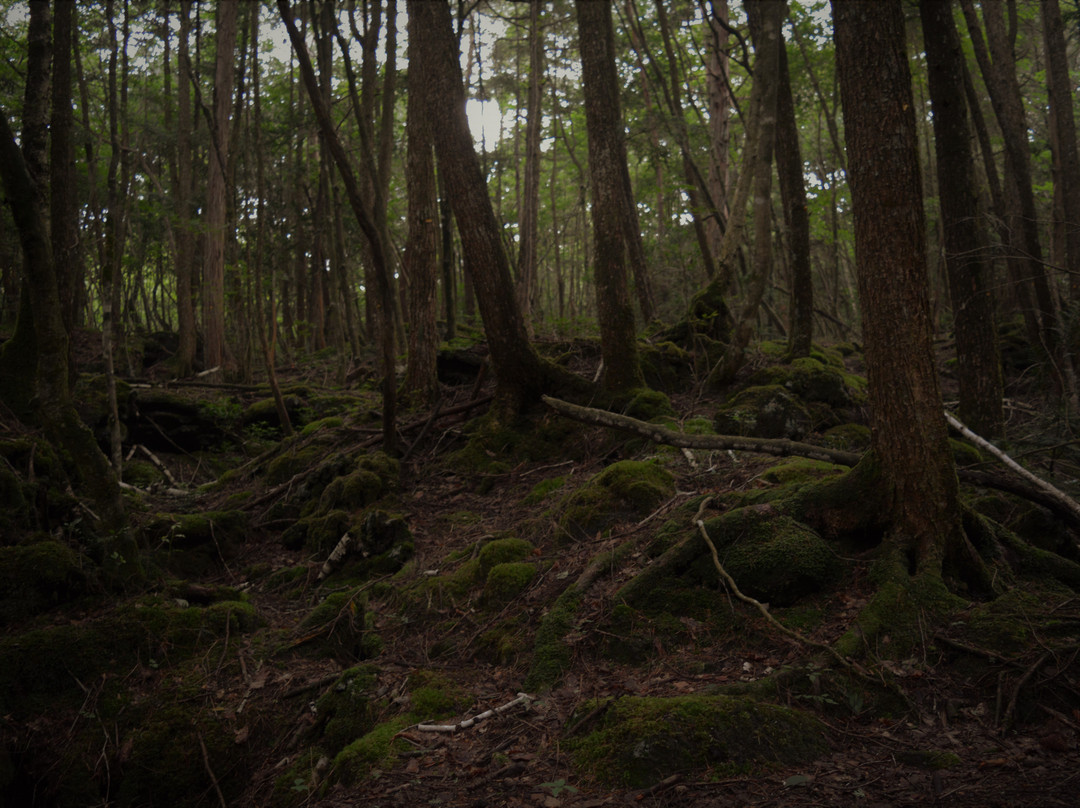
(539, 402)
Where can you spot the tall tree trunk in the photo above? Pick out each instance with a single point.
(717, 83)
(421, 249)
(266, 340)
(215, 350)
(64, 201)
(363, 218)
(530, 207)
(789, 173)
(607, 162)
(186, 236)
(1063, 137)
(55, 407)
(766, 17)
(518, 370)
(970, 286)
(998, 67)
(908, 431)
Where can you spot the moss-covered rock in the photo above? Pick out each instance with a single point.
(769, 411)
(505, 550)
(627, 489)
(37, 577)
(772, 557)
(345, 711)
(190, 544)
(339, 627)
(264, 412)
(812, 380)
(506, 581)
(665, 366)
(646, 404)
(375, 476)
(640, 741)
(800, 469)
(848, 437)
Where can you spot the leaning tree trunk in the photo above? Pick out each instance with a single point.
(363, 218)
(518, 370)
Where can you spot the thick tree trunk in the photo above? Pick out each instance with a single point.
(421, 384)
(970, 284)
(607, 161)
(55, 407)
(909, 437)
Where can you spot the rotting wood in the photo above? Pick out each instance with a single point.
(522, 698)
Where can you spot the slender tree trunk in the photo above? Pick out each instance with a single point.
(363, 218)
(766, 17)
(789, 173)
(979, 366)
(530, 207)
(185, 243)
(64, 201)
(215, 350)
(607, 162)
(999, 71)
(1066, 153)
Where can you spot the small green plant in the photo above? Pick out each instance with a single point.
(299, 784)
(556, 787)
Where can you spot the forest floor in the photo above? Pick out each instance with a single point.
(958, 702)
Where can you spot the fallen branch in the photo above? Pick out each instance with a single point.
(522, 698)
(1063, 500)
(669, 437)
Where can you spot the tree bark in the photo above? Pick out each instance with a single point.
(54, 403)
(421, 384)
(185, 242)
(1062, 91)
(908, 433)
(215, 351)
(518, 370)
(607, 161)
(970, 284)
(363, 217)
(789, 173)
(530, 207)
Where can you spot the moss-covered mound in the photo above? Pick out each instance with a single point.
(769, 411)
(772, 557)
(813, 380)
(627, 489)
(640, 741)
(37, 577)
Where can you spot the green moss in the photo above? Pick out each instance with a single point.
(331, 422)
(346, 711)
(893, 623)
(646, 405)
(627, 489)
(643, 740)
(543, 489)
(434, 696)
(768, 411)
(772, 557)
(800, 469)
(37, 577)
(551, 655)
(141, 474)
(506, 581)
(811, 379)
(377, 749)
(501, 551)
(375, 476)
(338, 627)
(930, 759)
(665, 366)
(166, 758)
(849, 437)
